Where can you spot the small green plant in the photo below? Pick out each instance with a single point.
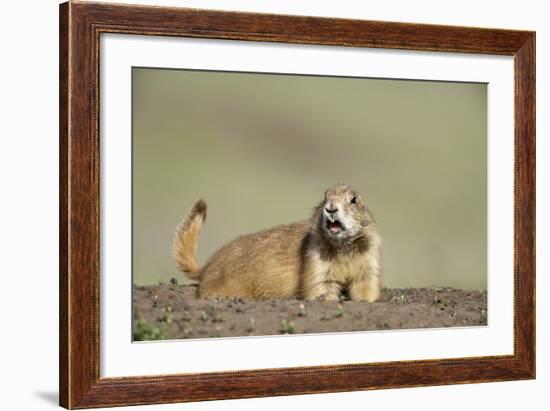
(399, 299)
(217, 332)
(155, 300)
(251, 327)
(186, 316)
(339, 311)
(218, 318)
(483, 317)
(143, 331)
(204, 316)
(302, 311)
(165, 318)
(287, 327)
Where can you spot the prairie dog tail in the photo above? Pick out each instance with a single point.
(186, 240)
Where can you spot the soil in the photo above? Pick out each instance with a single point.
(172, 311)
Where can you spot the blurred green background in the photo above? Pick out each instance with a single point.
(262, 149)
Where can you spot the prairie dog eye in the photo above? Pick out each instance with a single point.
(353, 200)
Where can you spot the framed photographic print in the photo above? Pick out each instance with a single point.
(258, 205)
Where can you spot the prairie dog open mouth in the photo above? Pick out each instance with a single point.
(335, 226)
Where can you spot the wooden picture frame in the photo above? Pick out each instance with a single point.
(80, 27)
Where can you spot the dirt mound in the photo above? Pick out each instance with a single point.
(171, 311)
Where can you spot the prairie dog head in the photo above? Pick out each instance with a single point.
(343, 214)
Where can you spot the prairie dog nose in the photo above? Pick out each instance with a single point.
(331, 208)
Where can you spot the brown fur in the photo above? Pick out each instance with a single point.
(300, 260)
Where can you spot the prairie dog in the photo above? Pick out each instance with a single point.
(337, 249)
